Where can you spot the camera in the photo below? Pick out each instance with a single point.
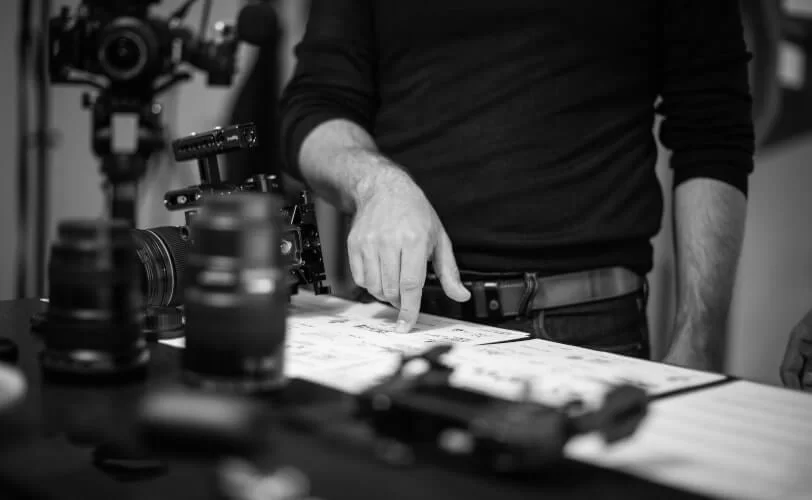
(119, 40)
(164, 251)
(131, 57)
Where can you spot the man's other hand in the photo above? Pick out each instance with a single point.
(796, 368)
(395, 232)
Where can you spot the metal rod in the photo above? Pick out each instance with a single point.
(209, 169)
(42, 193)
(122, 206)
(23, 234)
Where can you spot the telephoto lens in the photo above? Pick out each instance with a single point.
(236, 298)
(93, 322)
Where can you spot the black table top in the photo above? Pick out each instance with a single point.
(47, 446)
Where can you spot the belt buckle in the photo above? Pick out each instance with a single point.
(493, 303)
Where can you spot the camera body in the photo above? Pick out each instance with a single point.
(119, 41)
(164, 251)
(300, 243)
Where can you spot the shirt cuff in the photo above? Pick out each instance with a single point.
(733, 168)
(297, 132)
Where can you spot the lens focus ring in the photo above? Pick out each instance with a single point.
(163, 252)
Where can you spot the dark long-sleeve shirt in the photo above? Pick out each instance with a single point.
(529, 124)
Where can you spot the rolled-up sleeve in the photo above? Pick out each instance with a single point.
(706, 102)
(334, 75)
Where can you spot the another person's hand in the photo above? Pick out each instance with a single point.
(394, 234)
(796, 368)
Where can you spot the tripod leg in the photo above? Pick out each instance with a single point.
(123, 172)
(122, 202)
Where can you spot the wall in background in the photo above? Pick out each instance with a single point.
(8, 145)
(774, 285)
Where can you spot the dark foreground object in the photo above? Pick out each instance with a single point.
(68, 441)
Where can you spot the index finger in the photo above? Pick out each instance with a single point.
(413, 267)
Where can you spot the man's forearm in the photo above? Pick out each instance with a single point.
(709, 227)
(341, 163)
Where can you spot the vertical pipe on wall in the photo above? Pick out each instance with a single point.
(23, 45)
(42, 229)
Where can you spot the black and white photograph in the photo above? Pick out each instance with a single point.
(395, 250)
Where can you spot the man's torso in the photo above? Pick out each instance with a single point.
(528, 124)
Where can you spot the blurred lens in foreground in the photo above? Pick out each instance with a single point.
(236, 297)
(93, 322)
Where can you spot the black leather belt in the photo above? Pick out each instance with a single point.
(506, 298)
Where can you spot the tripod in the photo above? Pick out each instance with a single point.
(123, 169)
(138, 57)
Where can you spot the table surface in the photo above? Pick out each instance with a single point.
(47, 446)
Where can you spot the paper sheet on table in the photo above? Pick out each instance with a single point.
(554, 373)
(738, 440)
(499, 381)
(350, 346)
(327, 312)
(326, 332)
(541, 359)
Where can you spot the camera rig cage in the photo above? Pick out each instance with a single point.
(300, 242)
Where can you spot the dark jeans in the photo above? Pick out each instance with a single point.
(616, 325)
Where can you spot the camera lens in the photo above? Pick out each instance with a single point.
(162, 252)
(127, 49)
(236, 298)
(122, 54)
(93, 322)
